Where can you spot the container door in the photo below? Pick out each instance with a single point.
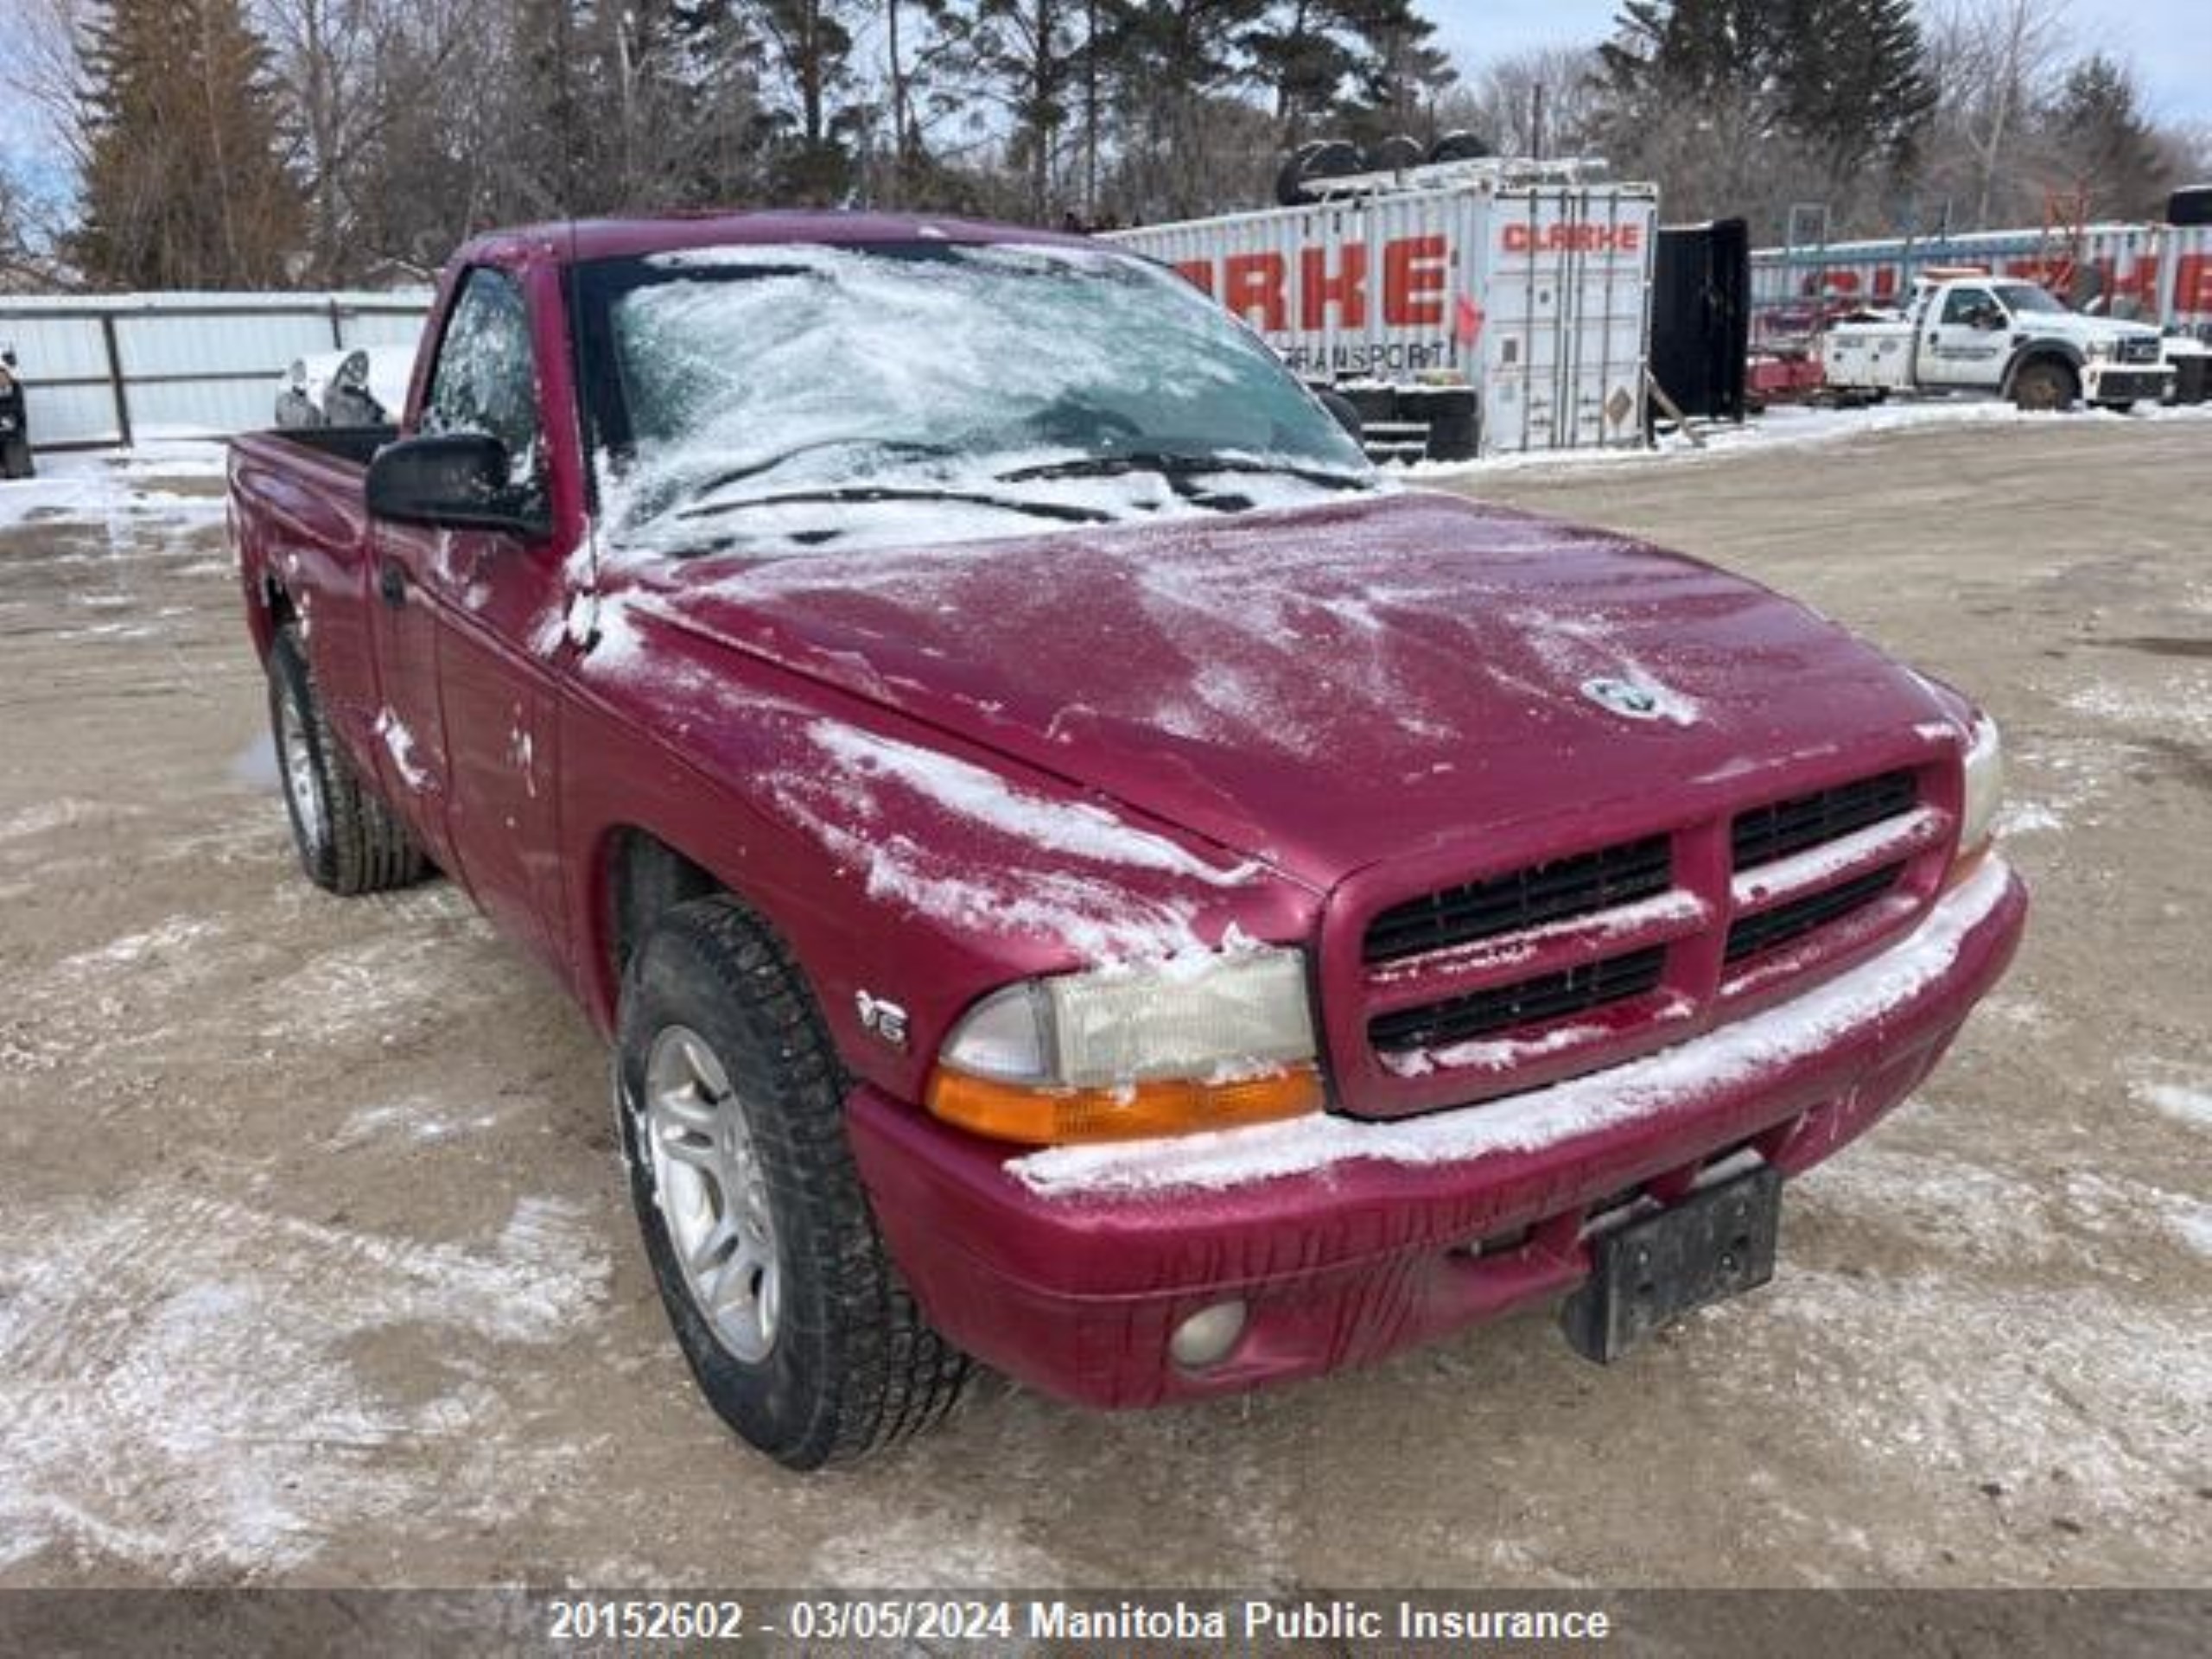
(1567, 330)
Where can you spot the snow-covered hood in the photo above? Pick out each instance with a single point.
(2083, 332)
(1325, 688)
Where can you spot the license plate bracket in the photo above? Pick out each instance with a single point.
(1716, 1244)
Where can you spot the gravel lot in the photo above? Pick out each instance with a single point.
(314, 1265)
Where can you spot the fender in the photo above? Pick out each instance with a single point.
(2040, 346)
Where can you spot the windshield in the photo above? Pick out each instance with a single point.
(2026, 296)
(782, 397)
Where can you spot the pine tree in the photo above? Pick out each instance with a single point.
(2104, 147)
(1852, 80)
(1685, 49)
(184, 186)
(810, 44)
(1299, 53)
(1846, 80)
(1030, 53)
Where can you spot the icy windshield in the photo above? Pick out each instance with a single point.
(2026, 296)
(781, 397)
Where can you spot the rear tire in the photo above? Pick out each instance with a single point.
(2045, 387)
(348, 840)
(799, 1329)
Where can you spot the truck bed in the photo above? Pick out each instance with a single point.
(358, 444)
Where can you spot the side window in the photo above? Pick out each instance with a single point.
(1965, 304)
(484, 382)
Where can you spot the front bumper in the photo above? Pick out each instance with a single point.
(1395, 1233)
(2117, 383)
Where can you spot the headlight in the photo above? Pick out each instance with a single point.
(1984, 785)
(2099, 350)
(1119, 1054)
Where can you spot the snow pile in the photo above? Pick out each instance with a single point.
(1543, 1117)
(1794, 426)
(116, 489)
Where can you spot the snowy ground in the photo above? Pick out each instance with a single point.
(314, 1265)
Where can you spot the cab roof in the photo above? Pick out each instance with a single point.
(578, 241)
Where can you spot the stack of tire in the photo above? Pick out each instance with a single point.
(1308, 171)
(1417, 423)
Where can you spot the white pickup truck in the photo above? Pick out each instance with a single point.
(1975, 333)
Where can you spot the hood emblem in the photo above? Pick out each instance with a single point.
(1624, 697)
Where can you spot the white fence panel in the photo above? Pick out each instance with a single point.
(112, 368)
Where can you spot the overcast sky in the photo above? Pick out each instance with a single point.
(2169, 43)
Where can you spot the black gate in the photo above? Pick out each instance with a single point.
(1701, 316)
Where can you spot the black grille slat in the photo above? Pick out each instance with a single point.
(1526, 1002)
(1750, 935)
(1559, 890)
(1767, 833)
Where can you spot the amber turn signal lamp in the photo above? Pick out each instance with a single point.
(1968, 864)
(1043, 1114)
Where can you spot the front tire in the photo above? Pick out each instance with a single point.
(348, 840)
(796, 1325)
(2045, 387)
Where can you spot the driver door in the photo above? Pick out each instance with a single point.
(1965, 343)
(478, 599)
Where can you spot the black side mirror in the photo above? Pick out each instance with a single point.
(454, 480)
(1345, 411)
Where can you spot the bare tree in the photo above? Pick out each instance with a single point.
(1994, 63)
(1540, 102)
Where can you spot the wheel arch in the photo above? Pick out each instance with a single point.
(2062, 353)
(639, 875)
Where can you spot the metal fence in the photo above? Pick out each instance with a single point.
(120, 368)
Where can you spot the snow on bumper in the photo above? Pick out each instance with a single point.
(1348, 1240)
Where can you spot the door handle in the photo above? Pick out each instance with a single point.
(391, 583)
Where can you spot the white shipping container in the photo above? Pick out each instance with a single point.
(1535, 294)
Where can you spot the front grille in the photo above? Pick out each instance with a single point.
(1748, 934)
(1468, 1038)
(2138, 351)
(1528, 1002)
(1563, 889)
(1767, 833)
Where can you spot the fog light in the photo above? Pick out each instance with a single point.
(1207, 1335)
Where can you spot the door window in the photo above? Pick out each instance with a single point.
(484, 381)
(1970, 307)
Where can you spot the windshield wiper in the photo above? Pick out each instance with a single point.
(888, 446)
(1056, 510)
(1172, 466)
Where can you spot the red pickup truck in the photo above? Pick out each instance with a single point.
(1079, 872)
